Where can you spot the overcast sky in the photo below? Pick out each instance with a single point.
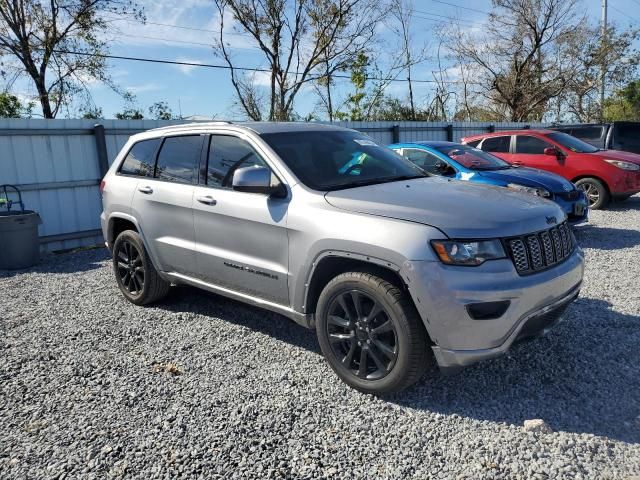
(208, 92)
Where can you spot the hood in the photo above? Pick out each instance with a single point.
(619, 155)
(457, 208)
(529, 177)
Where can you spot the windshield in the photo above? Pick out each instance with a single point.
(472, 158)
(572, 143)
(336, 159)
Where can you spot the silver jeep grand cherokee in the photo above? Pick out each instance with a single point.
(326, 227)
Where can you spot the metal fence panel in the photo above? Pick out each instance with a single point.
(56, 163)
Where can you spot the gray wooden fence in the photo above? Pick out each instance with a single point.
(58, 164)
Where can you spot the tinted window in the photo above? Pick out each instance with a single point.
(226, 155)
(179, 158)
(473, 158)
(587, 133)
(530, 145)
(496, 144)
(626, 136)
(572, 143)
(473, 143)
(425, 160)
(140, 159)
(335, 159)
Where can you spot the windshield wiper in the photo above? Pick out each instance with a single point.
(374, 181)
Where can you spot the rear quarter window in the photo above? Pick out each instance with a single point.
(140, 161)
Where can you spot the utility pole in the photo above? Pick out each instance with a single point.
(603, 67)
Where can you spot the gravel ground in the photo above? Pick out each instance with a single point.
(203, 387)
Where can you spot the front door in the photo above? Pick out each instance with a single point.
(529, 152)
(241, 238)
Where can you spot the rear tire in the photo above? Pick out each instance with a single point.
(136, 276)
(377, 352)
(596, 192)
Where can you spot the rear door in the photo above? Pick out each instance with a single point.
(499, 146)
(162, 203)
(529, 152)
(241, 238)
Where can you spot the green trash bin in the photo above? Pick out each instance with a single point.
(19, 243)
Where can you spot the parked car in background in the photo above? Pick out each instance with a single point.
(602, 174)
(624, 136)
(464, 162)
(385, 262)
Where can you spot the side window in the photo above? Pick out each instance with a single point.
(530, 145)
(497, 144)
(179, 158)
(226, 155)
(423, 159)
(140, 160)
(474, 143)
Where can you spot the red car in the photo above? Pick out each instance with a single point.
(602, 174)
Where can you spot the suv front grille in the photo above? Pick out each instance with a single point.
(539, 251)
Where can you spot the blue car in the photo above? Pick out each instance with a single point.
(463, 162)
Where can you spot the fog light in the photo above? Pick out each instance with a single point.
(487, 310)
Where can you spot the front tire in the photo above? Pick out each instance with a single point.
(136, 276)
(371, 334)
(596, 192)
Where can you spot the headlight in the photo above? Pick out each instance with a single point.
(541, 192)
(624, 165)
(472, 253)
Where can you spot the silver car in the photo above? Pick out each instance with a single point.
(324, 226)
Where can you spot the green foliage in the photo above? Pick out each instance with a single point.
(130, 114)
(161, 111)
(355, 101)
(92, 113)
(10, 106)
(624, 104)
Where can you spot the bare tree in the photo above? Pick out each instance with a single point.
(41, 35)
(517, 58)
(590, 53)
(402, 12)
(301, 41)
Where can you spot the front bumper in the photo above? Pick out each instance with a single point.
(577, 210)
(442, 293)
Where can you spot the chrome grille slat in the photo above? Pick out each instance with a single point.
(532, 253)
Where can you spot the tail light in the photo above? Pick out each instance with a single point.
(102, 185)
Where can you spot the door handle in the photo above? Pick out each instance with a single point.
(146, 190)
(207, 200)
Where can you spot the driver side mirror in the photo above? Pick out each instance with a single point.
(257, 180)
(553, 151)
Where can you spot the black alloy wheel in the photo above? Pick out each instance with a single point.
(130, 268)
(362, 335)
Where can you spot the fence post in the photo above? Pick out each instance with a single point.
(449, 129)
(492, 128)
(101, 148)
(395, 134)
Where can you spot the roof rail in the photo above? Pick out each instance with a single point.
(193, 124)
